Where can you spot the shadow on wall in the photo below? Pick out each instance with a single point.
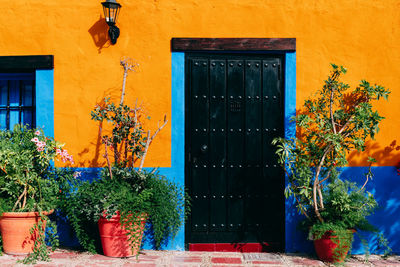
(296, 239)
(386, 188)
(98, 159)
(387, 156)
(99, 33)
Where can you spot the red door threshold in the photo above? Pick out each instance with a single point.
(229, 247)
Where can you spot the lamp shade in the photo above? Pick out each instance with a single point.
(111, 9)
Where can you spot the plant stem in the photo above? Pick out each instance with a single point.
(135, 125)
(107, 158)
(301, 207)
(367, 177)
(316, 182)
(326, 178)
(128, 65)
(149, 140)
(20, 197)
(116, 152)
(3, 169)
(321, 202)
(331, 111)
(145, 151)
(123, 83)
(125, 151)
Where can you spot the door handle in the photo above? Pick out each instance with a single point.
(204, 148)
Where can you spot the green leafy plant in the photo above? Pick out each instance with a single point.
(25, 164)
(124, 187)
(332, 124)
(29, 182)
(161, 200)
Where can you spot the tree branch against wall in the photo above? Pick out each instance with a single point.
(334, 123)
(129, 141)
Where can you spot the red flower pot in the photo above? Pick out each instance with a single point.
(15, 231)
(114, 237)
(327, 247)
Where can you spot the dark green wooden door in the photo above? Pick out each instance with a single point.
(234, 107)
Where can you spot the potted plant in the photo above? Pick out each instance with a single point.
(334, 123)
(126, 195)
(29, 186)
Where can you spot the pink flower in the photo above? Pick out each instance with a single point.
(77, 174)
(37, 132)
(40, 145)
(65, 156)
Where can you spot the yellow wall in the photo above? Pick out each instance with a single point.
(362, 35)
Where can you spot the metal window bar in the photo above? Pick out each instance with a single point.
(21, 107)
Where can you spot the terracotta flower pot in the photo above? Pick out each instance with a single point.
(114, 237)
(325, 247)
(15, 231)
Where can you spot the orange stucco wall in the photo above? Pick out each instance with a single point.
(362, 35)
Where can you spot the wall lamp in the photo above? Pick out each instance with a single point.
(111, 9)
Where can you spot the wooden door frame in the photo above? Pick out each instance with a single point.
(233, 44)
(284, 46)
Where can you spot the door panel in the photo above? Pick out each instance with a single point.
(234, 109)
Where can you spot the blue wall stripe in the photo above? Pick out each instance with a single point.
(290, 94)
(178, 117)
(291, 233)
(176, 172)
(45, 101)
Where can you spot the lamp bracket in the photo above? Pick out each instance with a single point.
(113, 32)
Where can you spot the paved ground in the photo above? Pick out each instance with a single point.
(148, 258)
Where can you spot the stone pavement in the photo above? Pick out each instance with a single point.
(150, 258)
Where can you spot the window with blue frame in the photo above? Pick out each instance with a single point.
(17, 99)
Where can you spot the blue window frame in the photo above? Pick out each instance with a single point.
(17, 99)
